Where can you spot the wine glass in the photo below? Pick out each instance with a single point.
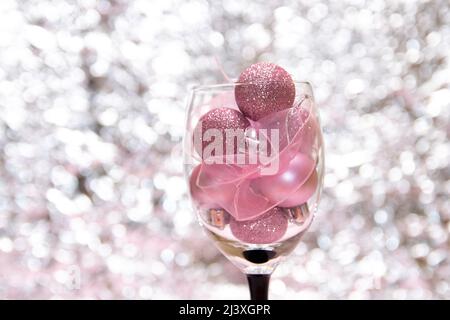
(256, 192)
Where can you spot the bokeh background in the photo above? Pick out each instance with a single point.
(92, 98)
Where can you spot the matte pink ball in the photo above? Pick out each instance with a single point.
(302, 194)
(280, 186)
(221, 119)
(267, 228)
(266, 88)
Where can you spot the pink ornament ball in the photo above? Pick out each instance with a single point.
(279, 187)
(300, 121)
(267, 228)
(302, 126)
(220, 119)
(302, 194)
(264, 88)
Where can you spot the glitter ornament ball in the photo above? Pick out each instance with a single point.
(265, 88)
(267, 228)
(221, 119)
(302, 126)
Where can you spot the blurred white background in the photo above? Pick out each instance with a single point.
(92, 94)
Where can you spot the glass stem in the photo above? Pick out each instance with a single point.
(259, 286)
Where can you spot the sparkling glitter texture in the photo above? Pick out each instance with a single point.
(266, 88)
(268, 228)
(93, 202)
(220, 119)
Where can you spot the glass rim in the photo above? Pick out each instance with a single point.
(205, 87)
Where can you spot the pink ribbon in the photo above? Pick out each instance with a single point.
(242, 189)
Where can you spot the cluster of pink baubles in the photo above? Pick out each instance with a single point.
(256, 202)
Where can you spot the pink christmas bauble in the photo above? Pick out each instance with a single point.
(264, 88)
(206, 188)
(220, 119)
(302, 127)
(302, 194)
(267, 228)
(279, 187)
